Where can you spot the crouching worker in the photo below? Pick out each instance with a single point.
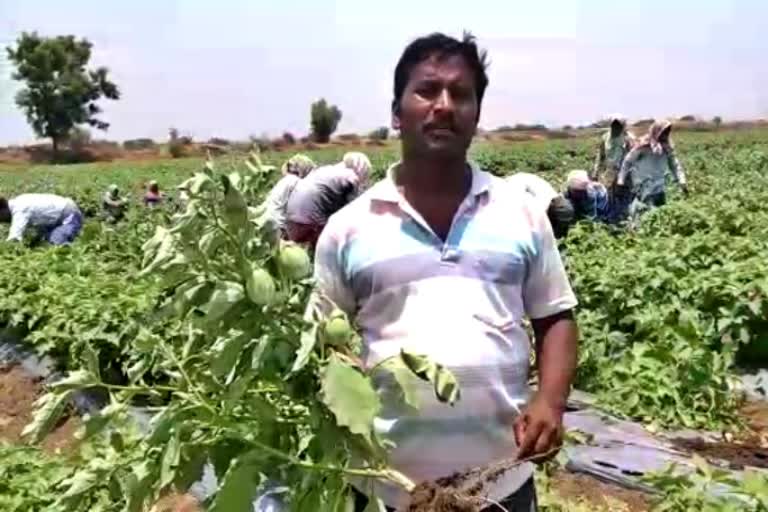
(559, 209)
(322, 193)
(56, 219)
(113, 205)
(589, 198)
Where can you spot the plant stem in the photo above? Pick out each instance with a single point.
(389, 474)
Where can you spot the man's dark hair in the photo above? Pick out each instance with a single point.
(3, 203)
(442, 46)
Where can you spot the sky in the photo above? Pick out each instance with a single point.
(234, 68)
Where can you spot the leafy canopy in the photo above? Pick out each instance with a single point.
(324, 119)
(59, 93)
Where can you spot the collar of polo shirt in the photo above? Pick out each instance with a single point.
(388, 191)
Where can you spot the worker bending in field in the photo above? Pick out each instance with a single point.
(559, 209)
(113, 204)
(646, 167)
(590, 199)
(294, 169)
(153, 197)
(321, 194)
(56, 219)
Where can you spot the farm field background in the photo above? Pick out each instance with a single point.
(669, 315)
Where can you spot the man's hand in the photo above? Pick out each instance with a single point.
(539, 430)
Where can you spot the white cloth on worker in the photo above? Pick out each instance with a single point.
(40, 211)
(277, 199)
(321, 194)
(538, 188)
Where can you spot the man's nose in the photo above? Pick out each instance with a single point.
(444, 101)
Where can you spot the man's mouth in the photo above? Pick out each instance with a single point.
(441, 130)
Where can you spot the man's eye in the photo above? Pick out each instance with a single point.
(428, 90)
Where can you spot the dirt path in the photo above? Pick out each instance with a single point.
(18, 392)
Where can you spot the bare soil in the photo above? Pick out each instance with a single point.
(18, 392)
(599, 494)
(735, 455)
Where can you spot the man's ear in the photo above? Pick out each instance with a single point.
(395, 115)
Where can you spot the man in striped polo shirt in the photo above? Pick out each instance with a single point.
(444, 259)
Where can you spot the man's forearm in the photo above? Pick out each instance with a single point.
(556, 356)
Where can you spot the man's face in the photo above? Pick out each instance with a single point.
(438, 112)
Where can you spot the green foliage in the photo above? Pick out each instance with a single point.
(381, 133)
(31, 481)
(200, 314)
(709, 489)
(59, 93)
(324, 119)
(226, 383)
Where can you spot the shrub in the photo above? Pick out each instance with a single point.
(381, 133)
(289, 139)
(217, 141)
(177, 144)
(137, 144)
(324, 119)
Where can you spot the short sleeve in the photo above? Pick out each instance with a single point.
(331, 288)
(546, 290)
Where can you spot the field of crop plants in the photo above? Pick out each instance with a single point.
(197, 316)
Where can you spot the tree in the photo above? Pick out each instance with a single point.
(324, 119)
(717, 121)
(381, 133)
(59, 93)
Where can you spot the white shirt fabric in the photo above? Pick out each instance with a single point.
(39, 211)
(277, 199)
(322, 193)
(542, 192)
(460, 301)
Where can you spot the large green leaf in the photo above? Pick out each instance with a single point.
(350, 396)
(238, 487)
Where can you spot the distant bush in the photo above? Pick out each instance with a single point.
(217, 141)
(289, 139)
(137, 144)
(262, 143)
(688, 119)
(520, 127)
(348, 138)
(324, 119)
(381, 133)
(177, 144)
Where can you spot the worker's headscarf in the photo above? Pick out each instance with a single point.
(359, 163)
(299, 165)
(113, 191)
(655, 139)
(577, 180)
(618, 121)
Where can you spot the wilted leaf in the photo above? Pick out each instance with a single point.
(49, 409)
(308, 341)
(224, 296)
